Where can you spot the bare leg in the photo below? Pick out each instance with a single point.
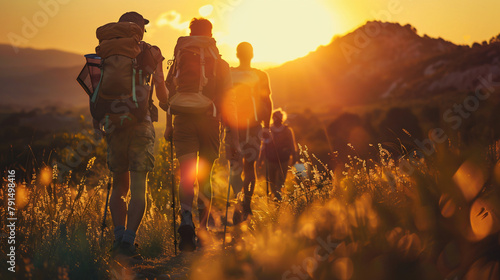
(235, 176)
(282, 171)
(205, 191)
(273, 178)
(117, 203)
(137, 205)
(248, 183)
(187, 165)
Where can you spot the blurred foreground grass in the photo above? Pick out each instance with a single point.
(382, 218)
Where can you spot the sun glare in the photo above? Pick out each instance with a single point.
(279, 30)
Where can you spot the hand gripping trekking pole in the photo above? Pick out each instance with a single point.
(227, 206)
(103, 225)
(173, 191)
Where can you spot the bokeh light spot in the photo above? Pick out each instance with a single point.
(481, 219)
(46, 176)
(470, 179)
(447, 205)
(343, 268)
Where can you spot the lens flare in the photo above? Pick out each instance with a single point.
(45, 176)
(482, 219)
(203, 168)
(21, 196)
(343, 268)
(447, 205)
(470, 179)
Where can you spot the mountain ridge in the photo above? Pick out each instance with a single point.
(30, 57)
(380, 60)
(376, 61)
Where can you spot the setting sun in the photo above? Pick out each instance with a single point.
(279, 30)
(250, 139)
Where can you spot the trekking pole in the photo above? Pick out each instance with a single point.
(227, 205)
(265, 151)
(280, 166)
(103, 225)
(267, 179)
(173, 191)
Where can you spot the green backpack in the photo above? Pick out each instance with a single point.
(123, 96)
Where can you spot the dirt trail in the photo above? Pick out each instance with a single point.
(168, 267)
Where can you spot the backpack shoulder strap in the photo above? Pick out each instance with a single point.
(169, 80)
(96, 91)
(203, 76)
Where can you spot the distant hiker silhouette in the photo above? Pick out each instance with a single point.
(254, 106)
(278, 150)
(122, 109)
(200, 98)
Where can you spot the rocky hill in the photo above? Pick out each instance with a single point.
(382, 61)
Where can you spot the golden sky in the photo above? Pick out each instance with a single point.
(280, 30)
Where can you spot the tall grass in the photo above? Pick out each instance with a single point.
(374, 220)
(367, 219)
(58, 232)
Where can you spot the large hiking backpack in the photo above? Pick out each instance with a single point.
(246, 85)
(123, 96)
(191, 79)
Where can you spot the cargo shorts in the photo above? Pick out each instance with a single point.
(131, 149)
(197, 134)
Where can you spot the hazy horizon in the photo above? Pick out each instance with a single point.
(279, 30)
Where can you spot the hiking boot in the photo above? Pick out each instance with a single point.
(246, 206)
(186, 232)
(241, 212)
(114, 249)
(129, 253)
